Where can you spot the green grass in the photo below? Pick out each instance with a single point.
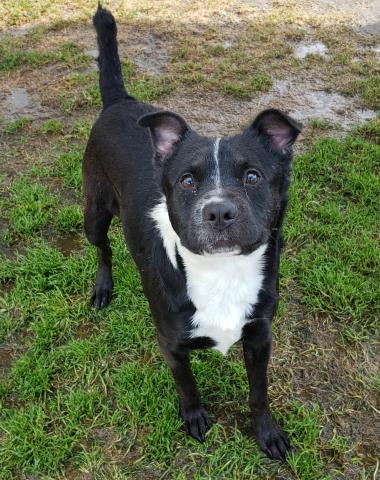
(68, 165)
(51, 126)
(87, 393)
(14, 56)
(70, 218)
(336, 193)
(258, 83)
(30, 206)
(85, 375)
(367, 88)
(16, 125)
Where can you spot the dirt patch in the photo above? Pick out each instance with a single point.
(376, 49)
(303, 49)
(10, 350)
(150, 52)
(307, 99)
(16, 32)
(19, 102)
(6, 357)
(69, 243)
(215, 114)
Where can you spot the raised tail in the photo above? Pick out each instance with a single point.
(111, 82)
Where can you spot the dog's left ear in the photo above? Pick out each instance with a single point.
(278, 130)
(167, 130)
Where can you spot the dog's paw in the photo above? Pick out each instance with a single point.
(271, 439)
(197, 422)
(101, 296)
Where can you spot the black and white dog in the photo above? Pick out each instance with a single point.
(202, 219)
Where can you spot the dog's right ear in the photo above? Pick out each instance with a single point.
(167, 130)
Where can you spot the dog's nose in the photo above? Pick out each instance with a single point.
(220, 215)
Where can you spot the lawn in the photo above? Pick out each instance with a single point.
(86, 394)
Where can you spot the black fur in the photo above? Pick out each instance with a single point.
(110, 79)
(135, 155)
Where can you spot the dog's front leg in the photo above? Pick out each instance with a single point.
(192, 412)
(257, 348)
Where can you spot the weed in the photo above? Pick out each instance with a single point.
(320, 124)
(70, 218)
(51, 126)
(30, 206)
(17, 125)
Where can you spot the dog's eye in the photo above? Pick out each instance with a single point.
(187, 181)
(252, 177)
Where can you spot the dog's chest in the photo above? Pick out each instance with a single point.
(224, 290)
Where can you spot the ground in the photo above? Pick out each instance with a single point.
(86, 394)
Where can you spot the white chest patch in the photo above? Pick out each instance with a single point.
(222, 287)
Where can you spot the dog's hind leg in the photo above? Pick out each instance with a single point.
(97, 219)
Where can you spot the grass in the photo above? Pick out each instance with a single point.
(51, 126)
(338, 264)
(13, 56)
(30, 206)
(82, 88)
(320, 124)
(368, 89)
(86, 393)
(85, 376)
(257, 83)
(70, 218)
(16, 125)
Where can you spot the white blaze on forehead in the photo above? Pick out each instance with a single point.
(216, 175)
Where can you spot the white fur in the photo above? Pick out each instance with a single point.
(216, 160)
(169, 237)
(223, 286)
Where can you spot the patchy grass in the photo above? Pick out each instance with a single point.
(258, 83)
(82, 88)
(91, 389)
(16, 125)
(368, 89)
(320, 124)
(51, 126)
(13, 56)
(87, 393)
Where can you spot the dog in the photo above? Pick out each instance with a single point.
(202, 219)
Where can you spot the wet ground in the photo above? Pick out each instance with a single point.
(303, 97)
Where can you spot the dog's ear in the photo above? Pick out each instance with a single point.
(167, 130)
(277, 129)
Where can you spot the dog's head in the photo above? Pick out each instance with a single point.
(223, 195)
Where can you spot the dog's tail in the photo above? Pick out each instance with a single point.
(111, 82)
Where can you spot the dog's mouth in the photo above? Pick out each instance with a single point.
(225, 247)
(223, 251)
